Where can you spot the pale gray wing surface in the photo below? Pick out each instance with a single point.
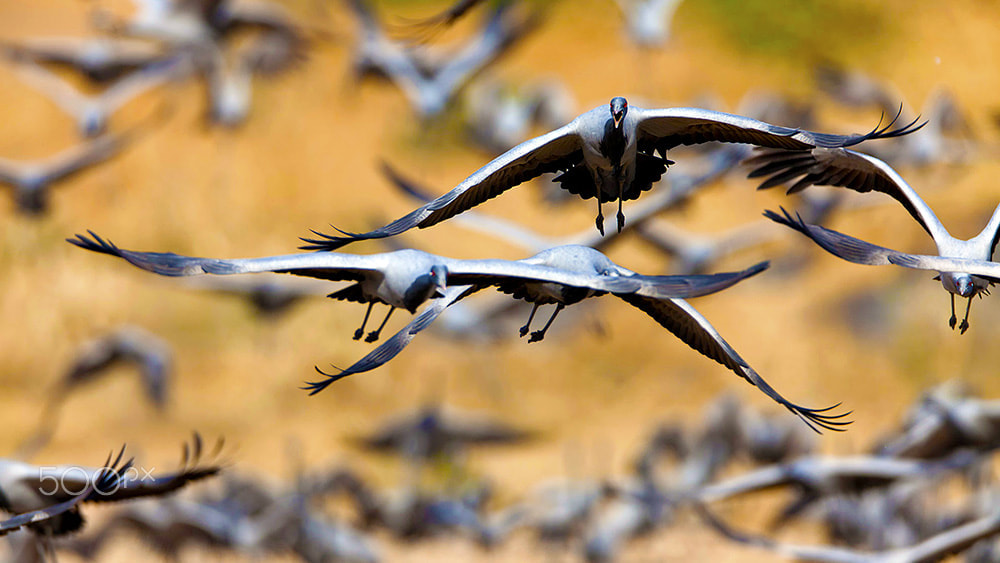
(79, 157)
(753, 481)
(493, 226)
(495, 272)
(844, 168)
(980, 268)
(553, 151)
(951, 541)
(53, 87)
(329, 266)
(12, 172)
(133, 85)
(816, 554)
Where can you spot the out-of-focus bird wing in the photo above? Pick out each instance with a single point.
(142, 484)
(816, 554)
(502, 31)
(78, 486)
(79, 157)
(60, 92)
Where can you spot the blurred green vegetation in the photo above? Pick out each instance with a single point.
(796, 30)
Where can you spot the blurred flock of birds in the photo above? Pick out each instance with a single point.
(923, 492)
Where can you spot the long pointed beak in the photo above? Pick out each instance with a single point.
(618, 120)
(965, 289)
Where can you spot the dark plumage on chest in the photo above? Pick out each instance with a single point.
(613, 142)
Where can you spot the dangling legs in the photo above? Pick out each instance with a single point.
(527, 326)
(360, 331)
(373, 335)
(600, 216)
(965, 322)
(953, 319)
(540, 334)
(621, 188)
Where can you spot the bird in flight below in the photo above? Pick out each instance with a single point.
(408, 278)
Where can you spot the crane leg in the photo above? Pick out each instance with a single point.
(540, 334)
(373, 335)
(965, 322)
(358, 333)
(953, 319)
(600, 216)
(620, 216)
(527, 326)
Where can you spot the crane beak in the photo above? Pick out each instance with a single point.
(965, 288)
(440, 275)
(618, 118)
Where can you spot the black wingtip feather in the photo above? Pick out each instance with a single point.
(815, 420)
(786, 219)
(887, 132)
(327, 242)
(95, 244)
(316, 386)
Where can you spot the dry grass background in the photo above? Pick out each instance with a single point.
(307, 157)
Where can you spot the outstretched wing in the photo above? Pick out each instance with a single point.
(495, 272)
(503, 29)
(143, 485)
(760, 479)
(553, 151)
(980, 268)
(686, 323)
(663, 129)
(52, 86)
(838, 244)
(328, 266)
(393, 346)
(94, 483)
(694, 285)
(79, 157)
(503, 229)
(796, 552)
(844, 168)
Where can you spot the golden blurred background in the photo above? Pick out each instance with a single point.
(307, 157)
